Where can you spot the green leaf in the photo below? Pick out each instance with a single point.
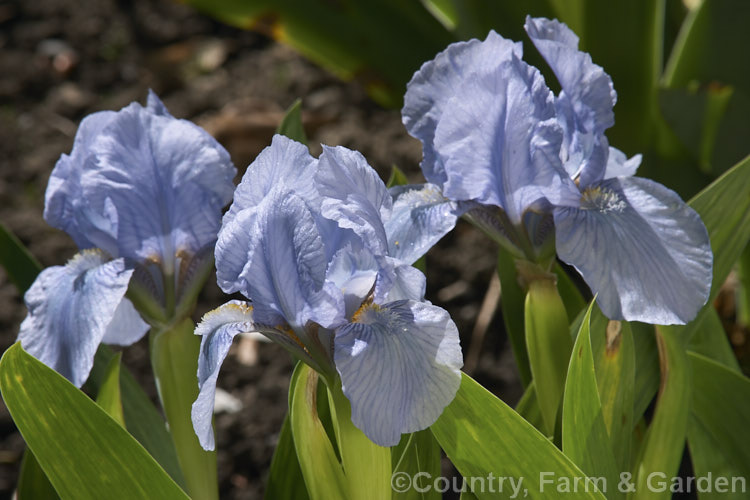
(707, 337)
(142, 419)
(32, 482)
(646, 367)
(569, 292)
(528, 407)
(483, 437)
(174, 358)
(706, 47)
(718, 433)
(291, 124)
(711, 123)
(84, 452)
(614, 360)
(285, 481)
(549, 345)
(607, 28)
(665, 440)
(21, 267)
(724, 207)
(417, 453)
(585, 438)
(109, 393)
(324, 476)
(743, 295)
(380, 43)
(397, 178)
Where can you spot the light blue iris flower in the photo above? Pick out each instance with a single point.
(532, 168)
(141, 194)
(322, 249)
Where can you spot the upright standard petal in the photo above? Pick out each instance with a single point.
(640, 248)
(63, 198)
(141, 184)
(285, 164)
(286, 264)
(421, 215)
(353, 195)
(500, 141)
(438, 81)
(399, 366)
(585, 103)
(72, 308)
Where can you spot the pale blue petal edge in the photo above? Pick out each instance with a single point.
(72, 308)
(641, 249)
(421, 215)
(619, 165)
(399, 366)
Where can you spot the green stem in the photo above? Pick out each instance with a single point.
(174, 357)
(367, 466)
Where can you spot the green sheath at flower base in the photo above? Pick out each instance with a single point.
(549, 345)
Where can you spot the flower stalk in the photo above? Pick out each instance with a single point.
(174, 358)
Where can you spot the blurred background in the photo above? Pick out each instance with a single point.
(680, 69)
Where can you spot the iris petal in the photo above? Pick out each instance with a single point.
(285, 165)
(141, 184)
(437, 82)
(619, 165)
(500, 141)
(72, 308)
(585, 103)
(421, 215)
(286, 265)
(217, 329)
(640, 248)
(353, 195)
(399, 366)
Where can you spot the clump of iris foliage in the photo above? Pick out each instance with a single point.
(324, 252)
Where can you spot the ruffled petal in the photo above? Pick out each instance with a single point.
(640, 248)
(439, 80)
(399, 366)
(63, 198)
(421, 216)
(284, 165)
(72, 308)
(144, 186)
(286, 262)
(586, 101)
(353, 195)
(500, 141)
